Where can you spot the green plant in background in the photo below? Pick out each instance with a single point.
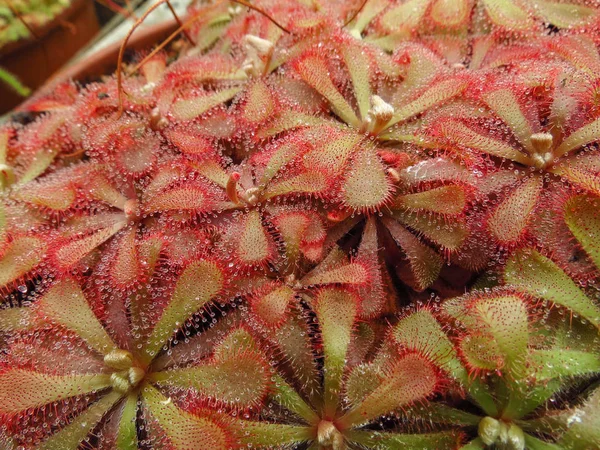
(13, 82)
(312, 225)
(19, 17)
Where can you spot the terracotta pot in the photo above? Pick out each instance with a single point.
(33, 60)
(104, 61)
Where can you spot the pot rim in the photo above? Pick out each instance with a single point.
(106, 57)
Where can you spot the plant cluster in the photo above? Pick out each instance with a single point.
(19, 17)
(316, 225)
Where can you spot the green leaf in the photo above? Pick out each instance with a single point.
(475, 444)
(422, 333)
(271, 435)
(182, 198)
(238, 341)
(425, 263)
(450, 13)
(288, 120)
(307, 182)
(71, 436)
(564, 15)
(252, 243)
(371, 9)
(583, 136)
(377, 440)
(437, 94)
(22, 389)
(408, 379)
(526, 398)
(13, 319)
(23, 255)
(331, 155)
(259, 103)
(314, 71)
(351, 273)
(507, 14)
(240, 379)
(504, 320)
(58, 196)
(287, 397)
(271, 307)
(584, 421)
(183, 428)
(336, 311)
(65, 304)
(71, 253)
(509, 220)
(506, 106)
(449, 200)
(533, 443)
(582, 216)
(449, 232)
(127, 434)
(366, 186)
(372, 293)
(481, 352)
(359, 67)
(555, 363)
(293, 340)
(126, 267)
(361, 381)
(537, 275)
(14, 83)
(278, 160)
(580, 169)
(464, 136)
(39, 164)
(199, 282)
(189, 109)
(442, 414)
(405, 16)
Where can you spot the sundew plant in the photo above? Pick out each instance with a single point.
(312, 224)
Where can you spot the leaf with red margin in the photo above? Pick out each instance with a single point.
(508, 14)
(189, 109)
(248, 242)
(313, 69)
(65, 304)
(582, 215)
(20, 257)
(72, 435)
(366, 186)
(449, 200)
(181, 427)
(125, 268)
(199, 282)
(237, 375)
(408, 379)
(533, 273)
(22, 389)
(259, 103)
(71, 250)
(511, 217)
(336, 311)
(271, 305)
(186, 197)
